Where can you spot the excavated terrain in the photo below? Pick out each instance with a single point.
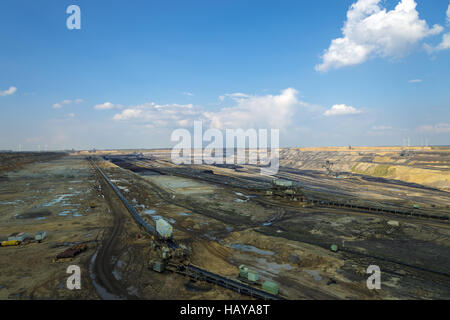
(225, 216)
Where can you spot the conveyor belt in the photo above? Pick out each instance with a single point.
(415, 213)
(133, 212)
(203, 275)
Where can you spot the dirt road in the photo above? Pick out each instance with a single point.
(103, 263)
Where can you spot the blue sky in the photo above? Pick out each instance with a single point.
(137, 70)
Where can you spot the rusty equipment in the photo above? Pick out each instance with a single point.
(71, 252)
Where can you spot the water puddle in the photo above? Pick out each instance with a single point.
(123, 188)
(249, 248)
(73, 212)
(210, 237)
(273, 267)
(117, 180)
(61, 198)
(12, 203)
(247, 198)
(35, 213)
(315, 274)
(132, 291)
(102, 292)
(269, 222)
(116, 274)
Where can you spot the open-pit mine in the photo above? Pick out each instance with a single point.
(140, 227)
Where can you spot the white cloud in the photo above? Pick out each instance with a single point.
(415, 81)
(190, 94)
(381, 128)
(8, 92)
(448, 14)
(153, 115)
(445, 44)
(59, 105)
(104, 106)
(269, 111)
(340, 110)
(233, 96)
(371, 30)
(437, 128)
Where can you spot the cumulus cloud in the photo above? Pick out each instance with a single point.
(59, 105)
(233, 96)
(448, 14)
(104, 106)
(268, 111)
(370, 30)
(437, 128)
(155, 115)
(247, 111)
(9, 91)
(445, 44)
(340, 110)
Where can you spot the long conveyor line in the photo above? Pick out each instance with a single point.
(379, 209)
(200, 274)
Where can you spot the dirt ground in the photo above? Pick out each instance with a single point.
(226, 221)
(55, 197)
(428, 166)
(294, 250)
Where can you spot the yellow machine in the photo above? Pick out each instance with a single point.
(10, 243)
